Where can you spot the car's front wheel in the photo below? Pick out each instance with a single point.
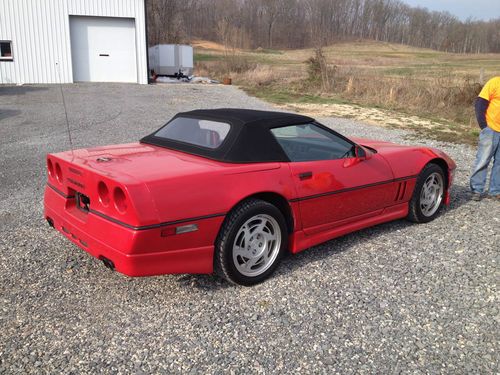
(251, 243)
(428, 196)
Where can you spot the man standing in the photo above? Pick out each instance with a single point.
(488, 118)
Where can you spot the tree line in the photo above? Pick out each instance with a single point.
(316, 23)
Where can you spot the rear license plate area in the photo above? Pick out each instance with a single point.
(82, 202)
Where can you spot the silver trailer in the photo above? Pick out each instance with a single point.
(171, 59)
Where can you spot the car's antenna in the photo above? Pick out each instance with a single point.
(65, 111)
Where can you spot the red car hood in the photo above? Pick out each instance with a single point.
(386, 148)
(405, 160)
(378, 145)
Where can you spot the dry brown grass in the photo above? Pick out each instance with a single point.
(261, 75)
(231, 65)
(443, 96)
(435, 86)
(207, 45)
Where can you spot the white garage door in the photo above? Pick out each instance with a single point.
(103, 49)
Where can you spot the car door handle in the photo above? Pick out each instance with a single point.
(305, 175)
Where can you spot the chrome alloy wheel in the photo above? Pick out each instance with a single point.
(431, 194)
(257, 244)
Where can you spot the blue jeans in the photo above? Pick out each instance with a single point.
(489, 148)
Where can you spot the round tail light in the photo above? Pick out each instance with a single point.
(59, 175)
(103, 192)
(120, 200)
(50, 168)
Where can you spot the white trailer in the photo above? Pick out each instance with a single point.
(171, 59)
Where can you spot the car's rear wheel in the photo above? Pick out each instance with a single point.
(251, 242)
(428, 196)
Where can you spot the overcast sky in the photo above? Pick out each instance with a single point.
(478, 9)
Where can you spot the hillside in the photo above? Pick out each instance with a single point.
(388, 58)
(383, 83)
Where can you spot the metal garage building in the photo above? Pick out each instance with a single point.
(52, 41)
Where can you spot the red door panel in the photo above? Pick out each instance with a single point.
(330, 192)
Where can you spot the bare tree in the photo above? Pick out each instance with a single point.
(165, 21)
(315, 23)
(272, 10)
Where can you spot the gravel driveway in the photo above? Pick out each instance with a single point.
(397, 298)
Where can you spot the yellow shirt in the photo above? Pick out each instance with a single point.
(491, 92)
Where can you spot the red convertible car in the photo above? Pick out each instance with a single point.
(232, 190)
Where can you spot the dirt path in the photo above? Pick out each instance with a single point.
(372, 116)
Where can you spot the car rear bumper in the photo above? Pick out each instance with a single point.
(132, 252)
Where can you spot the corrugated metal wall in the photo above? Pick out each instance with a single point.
(39, 30)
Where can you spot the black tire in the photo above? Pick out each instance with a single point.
(416, 212)
(224, 263)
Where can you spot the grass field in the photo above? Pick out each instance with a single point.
(386, 84)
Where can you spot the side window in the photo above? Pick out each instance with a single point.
(310, 142)
(5, 50)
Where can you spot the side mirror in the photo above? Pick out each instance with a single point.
(360, 153)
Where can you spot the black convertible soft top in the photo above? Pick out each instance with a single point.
(249, 139)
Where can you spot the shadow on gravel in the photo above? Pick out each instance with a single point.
(291, 262)
(460, 195)
(20, 90)
(338, 245)
(6, 113)
(204, 282)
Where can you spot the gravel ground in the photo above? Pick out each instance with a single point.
(397, 298)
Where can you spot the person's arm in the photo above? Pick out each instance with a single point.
(481, 108)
